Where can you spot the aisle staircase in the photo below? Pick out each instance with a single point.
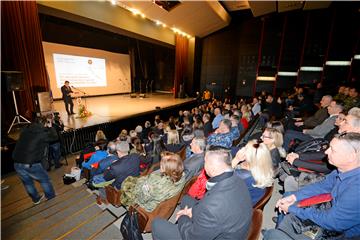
(72, 214)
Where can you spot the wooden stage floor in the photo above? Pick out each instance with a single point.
(115, 107)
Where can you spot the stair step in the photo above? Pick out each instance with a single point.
(71, 224)
(38, 226)
(22, 204)
(111, 232)
(40, 216)
(39, 208)
(97, 224)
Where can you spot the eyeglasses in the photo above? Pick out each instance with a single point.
(263, 136)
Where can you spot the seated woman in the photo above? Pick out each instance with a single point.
(149, 191)
(255, 168)
(273, 139)
(173, 142)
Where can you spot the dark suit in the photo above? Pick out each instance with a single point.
(224, 213)
(128, 165)
(193, 165)
(67, 99)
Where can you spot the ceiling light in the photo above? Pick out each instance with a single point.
(287, 74)
(265, 78)
(357, 56)
(311, 69)
(338, 63)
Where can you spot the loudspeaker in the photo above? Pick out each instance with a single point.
(14, 80)
(158, 108)
(133, 95)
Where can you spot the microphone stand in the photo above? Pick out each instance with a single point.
(85, 105)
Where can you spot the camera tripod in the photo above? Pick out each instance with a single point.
(18, 118)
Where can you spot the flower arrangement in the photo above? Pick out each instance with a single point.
(83, 112)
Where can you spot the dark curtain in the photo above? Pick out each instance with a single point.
(22, 50)
(181, 60)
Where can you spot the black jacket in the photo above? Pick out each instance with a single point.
(66, 93)
(128, 165)
(224, 213)
(32, 144)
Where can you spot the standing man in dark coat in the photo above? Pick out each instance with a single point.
(224, 212)
(28, 154)
(66, 95)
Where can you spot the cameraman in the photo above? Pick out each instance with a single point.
(29, 151)
(54, 121)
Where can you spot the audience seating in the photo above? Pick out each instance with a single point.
(113, 195)
(187, 187)
(247, 133)
(262, 202)
(164, 210)
(255, 226)
(182, 153)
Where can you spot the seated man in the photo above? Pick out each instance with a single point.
(350, 123)
(107, 161)
(319, 131)
(222, 136)
(127, 165)
(344, 186)
(195, 163)
(224, 212)
(319, 116)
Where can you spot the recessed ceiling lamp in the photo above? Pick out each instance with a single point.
(287, 74)
(338, 63)
(311, 69)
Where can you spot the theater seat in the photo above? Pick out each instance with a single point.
(255, 226)
(164, 210)
(187, 186)
(182, 153)
(113, 195)
(262, 202)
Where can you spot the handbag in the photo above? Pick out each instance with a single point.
(68, 179)
(130, 227)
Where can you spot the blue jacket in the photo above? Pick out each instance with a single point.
(344, 215)
(255, 193)
(96, 157)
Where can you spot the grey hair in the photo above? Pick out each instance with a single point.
(111, 147)
(355, 112)
(201, 142)
(352, 139)
(227, 123)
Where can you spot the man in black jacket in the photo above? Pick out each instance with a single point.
(224, 212)
(66, 95)
(29, 151)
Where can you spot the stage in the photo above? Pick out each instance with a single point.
(113, 108)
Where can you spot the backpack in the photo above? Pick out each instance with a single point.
(313, 145)
(129, 227)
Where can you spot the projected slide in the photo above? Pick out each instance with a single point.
(81, 71)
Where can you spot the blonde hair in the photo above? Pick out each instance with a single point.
(277, 136)
(173, 137)
(100, 135)
(260, 164)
